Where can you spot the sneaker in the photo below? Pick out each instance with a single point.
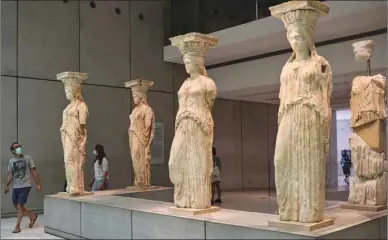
(218, 201)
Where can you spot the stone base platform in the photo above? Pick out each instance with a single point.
(360, 207)
(290, 225)
(136, 215)
(66, 194)
(192, 211)
(134, 188)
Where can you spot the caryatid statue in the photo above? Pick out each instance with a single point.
(190, 164)
(304, 118)
(367, 141)
(141, 132)
(73, 131)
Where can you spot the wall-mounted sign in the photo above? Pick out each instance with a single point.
(157, 149)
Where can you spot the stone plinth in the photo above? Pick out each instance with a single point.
(66, 194)
(192, 211)
(142, 188)
(360, 207)
(134, 188)
(299, 226)
(134, 218)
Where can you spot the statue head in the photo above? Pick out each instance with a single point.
(300, 18)
(194, 64)
(72, 82)
(139, 90)
(193, 47)
(363, 50)
(73, 92)
(139, 97)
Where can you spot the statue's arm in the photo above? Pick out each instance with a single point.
(83, 114)
(149, 130)
(326, 71)
(211, 93)
(281, 97)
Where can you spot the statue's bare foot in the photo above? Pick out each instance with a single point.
(73, 190)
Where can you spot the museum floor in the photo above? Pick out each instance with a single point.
(8, 224)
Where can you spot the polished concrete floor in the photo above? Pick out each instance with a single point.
(8, 225)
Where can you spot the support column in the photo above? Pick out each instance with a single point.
(332, 161)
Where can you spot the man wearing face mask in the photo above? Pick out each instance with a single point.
(20, 168)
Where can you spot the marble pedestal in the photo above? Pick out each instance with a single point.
(66, 194)
(192, 211)
(360, 207)
(137, 215)
(142, 188)
(298, 226)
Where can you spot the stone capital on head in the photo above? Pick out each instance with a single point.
(300, 12)
(194, 44)
(72, 78)
(138, 85)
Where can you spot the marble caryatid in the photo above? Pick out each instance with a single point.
(367, 141)
(190, 163)
(304, 117)
(141, 132)
(73, 131)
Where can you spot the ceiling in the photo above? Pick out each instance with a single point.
(256, 80)
(268, 34)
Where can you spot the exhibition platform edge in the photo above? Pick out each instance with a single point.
(130, 214)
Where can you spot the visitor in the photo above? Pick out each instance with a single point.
(216, 178)
(346, 165)
(19, 171)
(100, 180)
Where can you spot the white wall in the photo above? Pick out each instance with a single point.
(343, 134)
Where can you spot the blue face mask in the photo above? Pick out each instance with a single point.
(95, 153)
(18, 150)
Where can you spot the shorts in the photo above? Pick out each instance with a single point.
(20, 195)
(346, 170)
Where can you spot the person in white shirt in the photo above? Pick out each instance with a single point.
(100, 179)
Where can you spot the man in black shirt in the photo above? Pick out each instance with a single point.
(216, 178)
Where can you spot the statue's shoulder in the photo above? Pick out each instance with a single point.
(324, 66)
(82, 106)
(210, 84)
(148, 108)
(206, 78)
(321, 60)
(186, 79)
